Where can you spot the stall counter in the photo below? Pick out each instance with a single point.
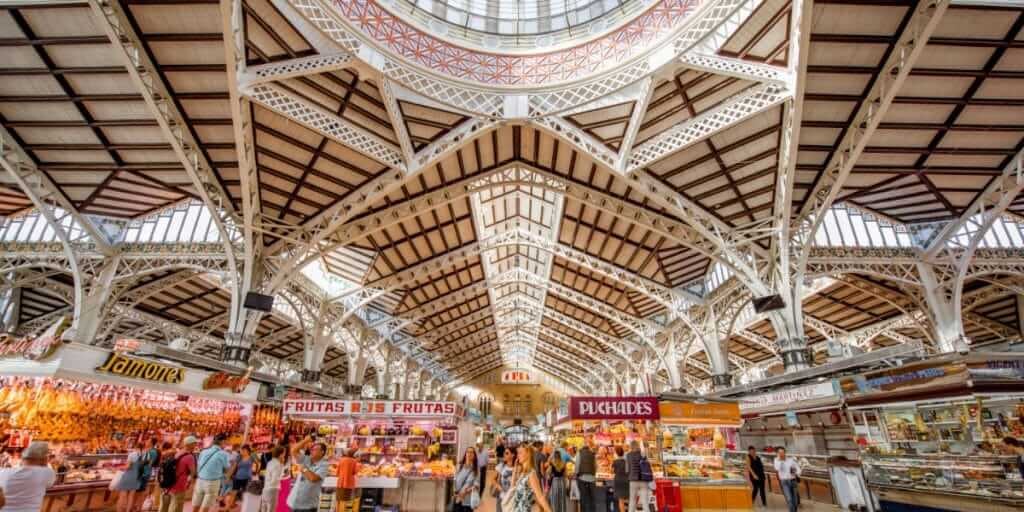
(709, 496)
(80, 496)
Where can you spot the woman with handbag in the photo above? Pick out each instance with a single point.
(467, 485)
(127, 483)
(243, 470)
(503, 477)
(558, 491)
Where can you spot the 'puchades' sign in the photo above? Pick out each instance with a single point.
(613, 408)
(333, 408)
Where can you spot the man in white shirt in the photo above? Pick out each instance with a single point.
(788, 471)
(24, 487)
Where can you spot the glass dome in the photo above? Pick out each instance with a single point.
(516, 25)
(517, 17)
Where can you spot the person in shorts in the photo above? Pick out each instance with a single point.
(213, 466)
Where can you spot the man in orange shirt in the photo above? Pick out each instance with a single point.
(348, 495)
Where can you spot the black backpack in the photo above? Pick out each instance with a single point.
(169, 472)
(646, 475)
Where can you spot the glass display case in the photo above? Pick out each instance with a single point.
(942, 449)
(990, 476)
(74, 469)
(699, 454)
(812, 466)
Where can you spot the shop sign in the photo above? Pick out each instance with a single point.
(224, 380)
(692, 413)
(999, 369)
(613, 408)
(322, 408)
(789, 396)
(133, 368)
(517, 377)
(127, 345)
(32, 349)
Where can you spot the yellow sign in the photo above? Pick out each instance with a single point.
(130, 367)
(690, 413)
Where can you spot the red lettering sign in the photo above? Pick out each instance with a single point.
(613, 408)
(32, 349)
(222, 380)
(328, 408)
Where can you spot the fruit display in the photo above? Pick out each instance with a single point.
(59, 410)
(434, 469)
(699, 453)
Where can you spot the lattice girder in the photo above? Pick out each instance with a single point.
(293, 68)
(742, 106)
(319, 119)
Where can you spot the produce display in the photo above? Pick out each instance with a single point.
(607, 437)
(59, 410)
(698, 453)
(434, 469)
(392, 449)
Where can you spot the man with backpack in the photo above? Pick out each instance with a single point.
(212, 467)
(640, 478)
(586, 472)
(176, 476)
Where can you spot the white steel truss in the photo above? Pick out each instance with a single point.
(148, 80)
(743, 105)
(293, 68)
(890, 78)
(319, 119)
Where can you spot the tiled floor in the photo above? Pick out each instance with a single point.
(775, 503)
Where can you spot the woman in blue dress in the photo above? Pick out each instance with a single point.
(127, 486)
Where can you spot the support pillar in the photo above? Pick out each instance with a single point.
(357, 370)
(675, 379)
(96, 304)
(795, 353)
(1020, 313)
(313, 358)
(721, 381)
(942, 293)
(11, 309)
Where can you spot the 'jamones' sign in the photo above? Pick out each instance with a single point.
(517, 377)
(613, 408)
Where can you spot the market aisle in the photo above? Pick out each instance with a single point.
(775, 503)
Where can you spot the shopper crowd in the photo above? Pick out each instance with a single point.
(552, 478)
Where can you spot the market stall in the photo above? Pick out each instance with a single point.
(611, 422)
(809, 422)
(931, 433)
(91, 404)
(408, 449)
(696, 435)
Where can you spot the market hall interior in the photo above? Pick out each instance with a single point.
(302, 255)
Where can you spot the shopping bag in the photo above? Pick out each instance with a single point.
(148, 504)
(574, 491)
(116, 480)
(508, 500)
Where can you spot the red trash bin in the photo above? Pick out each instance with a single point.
(668, 495)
